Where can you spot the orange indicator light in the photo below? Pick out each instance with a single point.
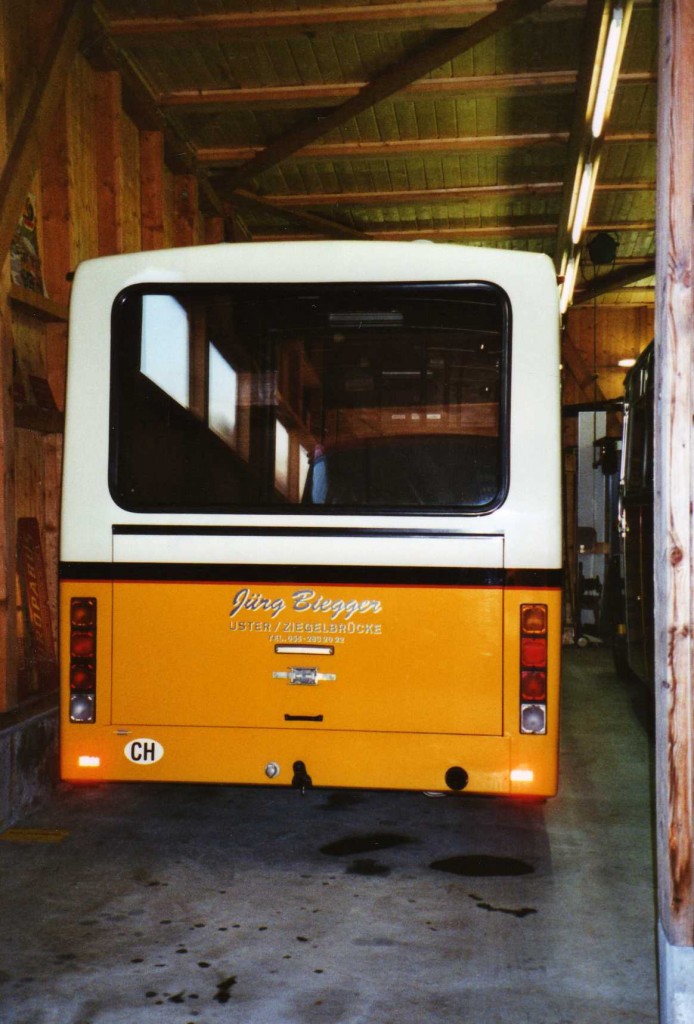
(534, 618)
(522, 775)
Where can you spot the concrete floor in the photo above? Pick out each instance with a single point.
(194, 905)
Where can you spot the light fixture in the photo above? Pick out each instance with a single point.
(602, 249)
(585, 194)
(607, 71)
(626, 363)
(567, 288)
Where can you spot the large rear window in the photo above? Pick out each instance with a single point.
(349, 397)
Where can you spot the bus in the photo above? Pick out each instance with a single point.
(311, 518)
(635, 634)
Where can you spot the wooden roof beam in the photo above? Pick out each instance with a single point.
(333, 229)
(472, 232)
(408, 15)
(462, 194)
(621, 277)
(445, 47)
(330, 93)
(221, 156)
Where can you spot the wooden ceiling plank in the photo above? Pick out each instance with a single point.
(444, 47)
(25, 153)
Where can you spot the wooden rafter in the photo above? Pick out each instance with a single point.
(445, 46)
(320, 224)
(465, 193)
(228, 155)
(468, 232)
(618, 278)
(464, 233)
(406, 16)
(329, 94)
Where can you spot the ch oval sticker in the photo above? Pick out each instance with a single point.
(144, 751)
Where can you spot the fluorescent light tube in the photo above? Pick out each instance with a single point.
(585, 193)
(609, 64)
(567, 288)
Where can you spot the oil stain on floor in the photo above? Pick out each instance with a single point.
(481, 865)
(352, 845)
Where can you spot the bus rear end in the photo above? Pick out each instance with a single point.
(310, 526)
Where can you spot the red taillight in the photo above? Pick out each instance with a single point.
(533, 652)
(83, 612)
(83, 645)
(83, 659)
(533, 669)
(82, 677)
(533, 686)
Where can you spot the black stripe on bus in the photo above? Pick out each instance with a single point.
(285, 531)
(346, 574)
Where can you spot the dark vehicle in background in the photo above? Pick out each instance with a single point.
(635, 630)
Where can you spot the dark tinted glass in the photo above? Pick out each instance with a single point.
(359, 397)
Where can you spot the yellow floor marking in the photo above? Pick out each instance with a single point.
(34, 835)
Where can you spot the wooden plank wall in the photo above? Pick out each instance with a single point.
(603, 335)
(102, 187)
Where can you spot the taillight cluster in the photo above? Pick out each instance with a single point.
(83, 659)
(533, 668)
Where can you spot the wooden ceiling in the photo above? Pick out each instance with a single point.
(463, 121)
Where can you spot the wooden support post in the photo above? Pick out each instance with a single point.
(8, 554)
(674, 488)
(185, 225)
(57, 245)
(34, 130)
(214, 230)
(109, 163)
(55, 203)
(152, 189)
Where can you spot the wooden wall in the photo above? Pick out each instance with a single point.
(603, 335)
(100, 186)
